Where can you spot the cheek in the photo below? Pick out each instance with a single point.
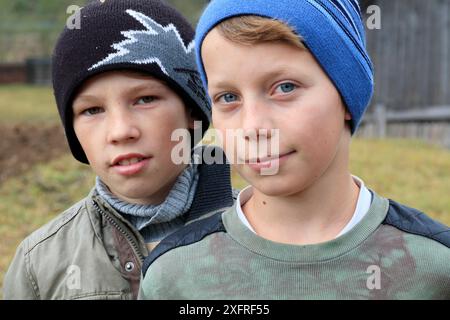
(87, 137)
(220, 126)
(218, 136)
(164, 123)
(166, 131)
(318, 127)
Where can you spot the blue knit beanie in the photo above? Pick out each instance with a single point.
(332, 30)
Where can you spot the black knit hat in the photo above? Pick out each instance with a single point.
(142, 35)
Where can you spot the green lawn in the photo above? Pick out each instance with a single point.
(408, 171)
(27, 103)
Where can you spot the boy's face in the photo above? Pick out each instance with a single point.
(124, 123)
(277, 86)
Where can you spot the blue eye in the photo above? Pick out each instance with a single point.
(286, 87)
(228, 98)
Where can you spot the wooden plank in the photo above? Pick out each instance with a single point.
(425, 114)
(432, 113)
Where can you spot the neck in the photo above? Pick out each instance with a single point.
(314, 215)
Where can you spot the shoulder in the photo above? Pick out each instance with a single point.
(42, 250)
(188, 235)
(415, 245)
(415, 222)
(60, 224)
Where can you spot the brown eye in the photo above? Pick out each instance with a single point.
(146, 99)
(92, 111)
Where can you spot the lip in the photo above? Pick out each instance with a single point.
(268, 162)
(130, 169)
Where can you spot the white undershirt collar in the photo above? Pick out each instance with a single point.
(362, 206)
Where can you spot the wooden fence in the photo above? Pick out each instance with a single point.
(431, 124)
(13, 73)
(32, 71)
(411, 57)
(411, 53)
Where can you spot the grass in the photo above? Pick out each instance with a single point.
(410, 172)
(27, 103)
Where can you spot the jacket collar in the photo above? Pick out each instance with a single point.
(214, 190)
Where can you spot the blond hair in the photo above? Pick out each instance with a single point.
(249, 30)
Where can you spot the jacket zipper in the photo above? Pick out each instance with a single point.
(118, 227)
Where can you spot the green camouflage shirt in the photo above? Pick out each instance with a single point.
(395, 252)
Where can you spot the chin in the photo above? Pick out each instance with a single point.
(275, 191)
(276, 186)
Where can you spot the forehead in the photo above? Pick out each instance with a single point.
(123, 78)
(225, 58)
(215, 43)
(118, 75)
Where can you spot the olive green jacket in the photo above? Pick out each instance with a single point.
(91, 252)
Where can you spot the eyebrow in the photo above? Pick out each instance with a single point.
(85, 97)
(264, 76)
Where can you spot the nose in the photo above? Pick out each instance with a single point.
(122, 126)
(256, 120)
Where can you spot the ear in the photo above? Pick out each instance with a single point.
(348, 116)
(191, 124)
(191, 119)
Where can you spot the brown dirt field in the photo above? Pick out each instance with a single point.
(23, 145)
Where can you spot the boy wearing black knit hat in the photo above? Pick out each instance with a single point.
(296, 72)
(123, 83)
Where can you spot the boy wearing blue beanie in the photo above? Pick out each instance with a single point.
(124, 83)
(296, 72)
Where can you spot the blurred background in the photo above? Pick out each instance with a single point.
(402, 149)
